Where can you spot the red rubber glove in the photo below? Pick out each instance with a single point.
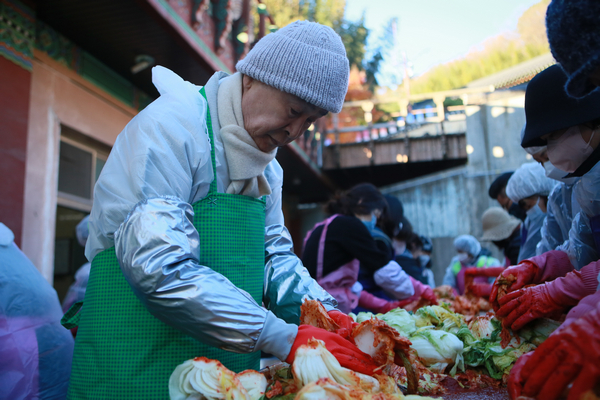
(429, 295)
(570, 355)
(389, 306)
(480, 289)
(345, 322)
(525, 305)
(515, 386)
(524, 274)
(348, 355)
(485, 272)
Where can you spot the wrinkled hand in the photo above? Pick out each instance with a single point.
(524, 274)
(570, 356)
(345, 322)
(348, 355)
(525, 305)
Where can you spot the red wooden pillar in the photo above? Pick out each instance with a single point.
(16, 52)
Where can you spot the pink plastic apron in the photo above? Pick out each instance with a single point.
(339, 282)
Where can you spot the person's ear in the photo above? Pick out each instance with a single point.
(247, 83)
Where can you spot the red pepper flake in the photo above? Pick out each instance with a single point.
(275, 390)
(505, 336)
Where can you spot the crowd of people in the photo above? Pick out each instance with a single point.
(190, 255)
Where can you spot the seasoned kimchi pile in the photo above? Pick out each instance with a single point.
(430, 352)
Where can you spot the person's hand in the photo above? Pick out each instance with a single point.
(389, 306)
(515, 387)
(511, 279)
(570, 355)
(348, 355)
(480, 289)
(525, 305)
(429, 295)
(344, 321)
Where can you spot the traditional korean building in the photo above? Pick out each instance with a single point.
(73, 74)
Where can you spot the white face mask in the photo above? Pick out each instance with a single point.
(558, 174)
(463, 257)
(569, 151)
(534, 210)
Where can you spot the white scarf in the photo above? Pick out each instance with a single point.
(245, 160)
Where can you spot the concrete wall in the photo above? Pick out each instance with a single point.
(450, 203)
(58, 96)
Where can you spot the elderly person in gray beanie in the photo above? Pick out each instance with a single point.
(190, 255)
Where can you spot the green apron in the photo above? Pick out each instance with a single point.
(121, 350)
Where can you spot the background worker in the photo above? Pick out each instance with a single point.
(497, 191)
(529, 187)
(504, 231)
(337, 248)
(470, 254)
(35, 350)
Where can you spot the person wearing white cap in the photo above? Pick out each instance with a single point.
(561, 205)
(529, 187)
(187, 237)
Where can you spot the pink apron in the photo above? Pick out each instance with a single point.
(339, 282)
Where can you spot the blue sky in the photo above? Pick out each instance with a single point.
(436, 31)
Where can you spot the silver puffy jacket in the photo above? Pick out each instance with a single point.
(159, 166)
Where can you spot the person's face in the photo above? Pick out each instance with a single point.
(504, 200)
(367, 217)
(586, 135)
(274, 118)
(541, 157)
(528, 203)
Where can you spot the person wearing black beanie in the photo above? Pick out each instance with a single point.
(497, 191)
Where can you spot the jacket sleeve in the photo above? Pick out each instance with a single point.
(559, 217)
(159, 164)
(158, 249)
(581, 247)
(394, 281)
(585, 306)
(551, 265)
(534, 235)
(287, 282)
(576, 285)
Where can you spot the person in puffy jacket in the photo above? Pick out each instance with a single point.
(529, 187)
(565, 281)
(187, 236)
(35, 350)
(572, 354)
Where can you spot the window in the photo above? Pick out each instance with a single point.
(81, 160)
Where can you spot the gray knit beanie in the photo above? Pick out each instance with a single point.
(305, 59)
